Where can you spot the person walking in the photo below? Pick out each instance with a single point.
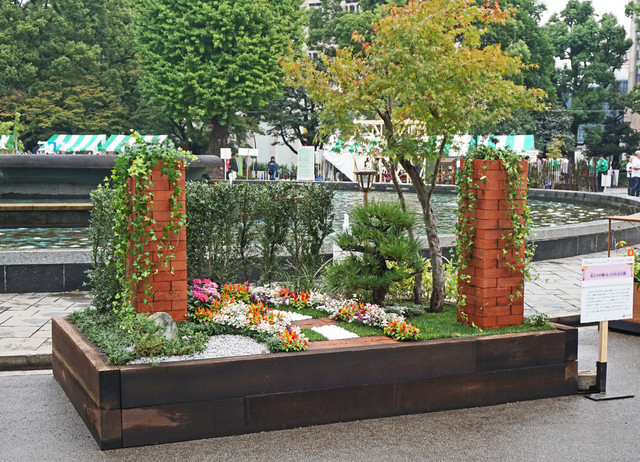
(272, 168)
(635, 174)
(232, 174)
(601, 169)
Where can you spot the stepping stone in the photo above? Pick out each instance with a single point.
(350, 342)
(334, 332)
(314, 322)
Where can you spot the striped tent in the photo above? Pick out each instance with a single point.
(75, 143)
(518, 143)
(6, 142)
(116, 143)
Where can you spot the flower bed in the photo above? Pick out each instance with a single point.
(239, 306)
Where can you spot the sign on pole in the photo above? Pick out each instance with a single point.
(607, 289)
(225, 153)
(306, 163)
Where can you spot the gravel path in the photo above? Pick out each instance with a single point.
(218, 346)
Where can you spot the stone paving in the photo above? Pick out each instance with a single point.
(25, 320)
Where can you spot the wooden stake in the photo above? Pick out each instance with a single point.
(603, 341)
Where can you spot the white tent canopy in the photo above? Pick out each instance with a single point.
(342, 155)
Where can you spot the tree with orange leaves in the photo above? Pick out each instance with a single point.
(426, 76)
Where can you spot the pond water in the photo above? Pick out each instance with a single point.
(543, 213)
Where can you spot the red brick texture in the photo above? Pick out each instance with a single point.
(169, 285)
(491, 289)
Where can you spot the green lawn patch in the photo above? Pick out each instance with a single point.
(360, 329)
(312, 335)
(446, 325)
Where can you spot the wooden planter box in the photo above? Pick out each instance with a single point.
(630, 326)
(126, 406)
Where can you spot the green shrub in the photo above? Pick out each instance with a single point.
(380, 251)
(211, 228)
(310, 222)
(103, 276)
(274, 207)
(231, 229)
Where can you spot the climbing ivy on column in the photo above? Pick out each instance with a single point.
(134, 224)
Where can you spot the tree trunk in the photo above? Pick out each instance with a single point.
(218, 137)
(417, 278)
(436, 303)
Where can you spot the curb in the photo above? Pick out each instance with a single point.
(25, 362)
(569, 320)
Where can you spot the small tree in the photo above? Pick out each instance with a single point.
(381, 251)
(426, 76)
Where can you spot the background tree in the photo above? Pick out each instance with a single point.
(554, 127)
(294, 118)
(68, 66)
(424, 74)
(591, 50)
(206, 62)
(614, 136)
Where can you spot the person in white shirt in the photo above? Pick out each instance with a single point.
(635, 174)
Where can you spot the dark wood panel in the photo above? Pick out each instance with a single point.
(571, 378)
(627, 327)
(182, 422)
(571, 341)
(484, 389)
(104, 425)
(287, 410)
(100, 380)
(520, 350)
(202, 380)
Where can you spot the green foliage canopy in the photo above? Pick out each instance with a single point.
(592, 49)
(206, 61)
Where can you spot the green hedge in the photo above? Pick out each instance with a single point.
(233, 233)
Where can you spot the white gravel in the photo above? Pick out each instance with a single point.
(218, 346)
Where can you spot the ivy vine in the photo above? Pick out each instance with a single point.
(133, 221)
(518, 212)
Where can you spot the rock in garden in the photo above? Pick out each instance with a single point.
(168, 325)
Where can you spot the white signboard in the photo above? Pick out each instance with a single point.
(607, 289)
(225, 153)
(306, 163)
(243, 152)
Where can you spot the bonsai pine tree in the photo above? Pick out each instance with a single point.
(380, 251)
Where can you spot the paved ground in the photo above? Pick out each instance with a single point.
(39, 423)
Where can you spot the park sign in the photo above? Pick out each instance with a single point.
(306, 163)
(607, 289)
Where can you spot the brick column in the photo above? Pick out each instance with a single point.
(169, 285)
(492, 283)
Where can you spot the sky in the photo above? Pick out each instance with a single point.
(601, 6)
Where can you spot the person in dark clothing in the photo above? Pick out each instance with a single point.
(272, 168)
(232, 174)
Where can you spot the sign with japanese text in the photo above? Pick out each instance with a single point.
(306, 163)
(607, 289)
